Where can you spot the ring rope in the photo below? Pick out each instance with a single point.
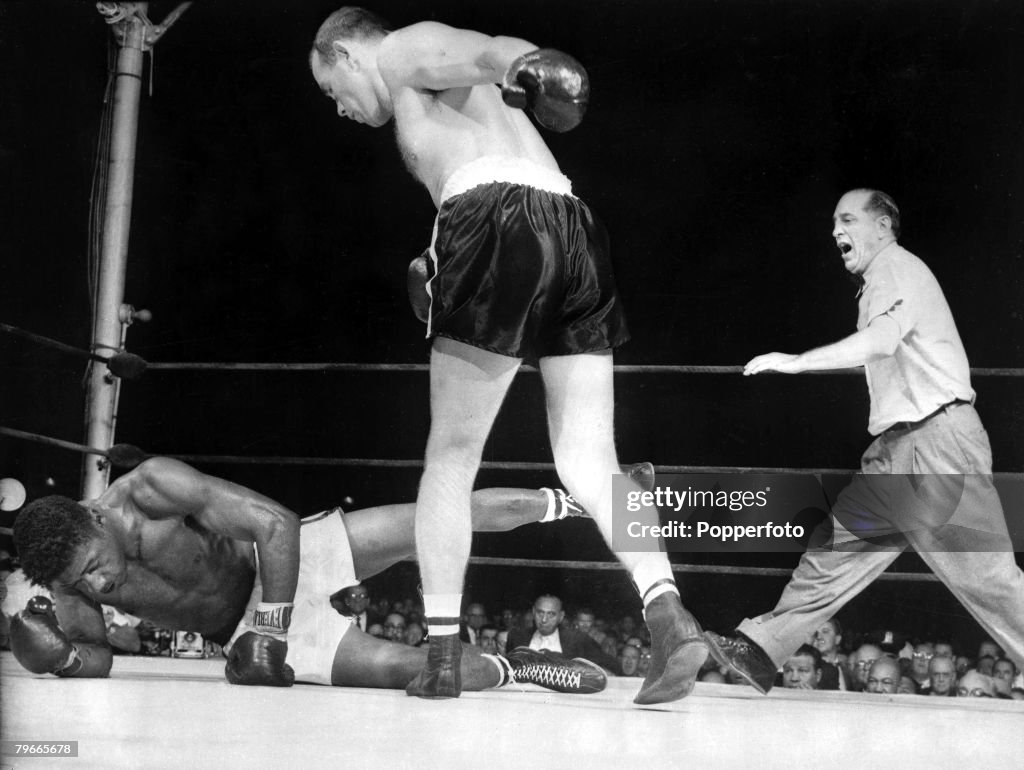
(505, 465)
(47, 342)
(35, 437)
(126, 455)
(278, 366)
(710, 569)
(619, 368)
(121, 363)
(698, 569)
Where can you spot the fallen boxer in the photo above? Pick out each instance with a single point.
(185, 550)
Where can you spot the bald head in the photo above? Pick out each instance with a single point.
(884, 676)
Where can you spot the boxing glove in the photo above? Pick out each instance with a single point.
(257, 659)
(39, 644)
(416, 283)
(551, 84)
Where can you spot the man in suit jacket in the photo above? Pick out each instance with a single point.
(549, 635)
(472, 622)
(354, 602)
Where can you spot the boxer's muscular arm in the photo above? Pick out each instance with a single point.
(436, 57)
(165, 488)
(82, 620)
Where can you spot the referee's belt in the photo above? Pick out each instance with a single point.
(903, 425)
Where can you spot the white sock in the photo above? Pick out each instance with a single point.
(441, 612)
(654, 569)
(550, 514)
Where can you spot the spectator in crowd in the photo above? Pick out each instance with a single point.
(828, 638)
(610, 646)
(942, 647)
(584, 621)
(547, 617)
(502, 641)
(394, 627)
(975, 685)
(487, 639)
(509, 619)
(989, 648)
(963, 665)
(354, 602)
(941, 677)
(1004, 670)
(865, 657)
(629, 660)
(802, 670)
(645, 660)
(414, 633)
(627, 626)
(985, 665)
(921, 657)
(472, 621)
(907, 686)
(376, 630)
(883, 676)
(381, 607)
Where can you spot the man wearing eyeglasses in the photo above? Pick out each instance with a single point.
(861, 661)
(472, 622)
(921, 657)
(883, 677)
(975, 685)
(354, 602)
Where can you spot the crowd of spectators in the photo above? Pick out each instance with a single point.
(834, 658)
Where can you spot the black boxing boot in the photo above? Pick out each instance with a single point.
(678, 650)
(442, 676)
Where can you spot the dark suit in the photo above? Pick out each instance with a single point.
(574, 645)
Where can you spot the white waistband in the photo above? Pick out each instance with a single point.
(503, 168)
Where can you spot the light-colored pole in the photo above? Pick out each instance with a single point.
(103, 388)
(134, 34)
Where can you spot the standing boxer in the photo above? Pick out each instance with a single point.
(518, 268)
(926, 480)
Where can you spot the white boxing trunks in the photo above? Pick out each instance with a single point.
(325, 567)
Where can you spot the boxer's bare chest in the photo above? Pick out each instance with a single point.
(179, 572)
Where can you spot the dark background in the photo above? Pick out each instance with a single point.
(719, 137)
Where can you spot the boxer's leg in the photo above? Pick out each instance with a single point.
(383, 536)
(580, 405)
(467, 387)
(365, 661)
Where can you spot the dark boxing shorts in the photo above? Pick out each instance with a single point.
(520, 266)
